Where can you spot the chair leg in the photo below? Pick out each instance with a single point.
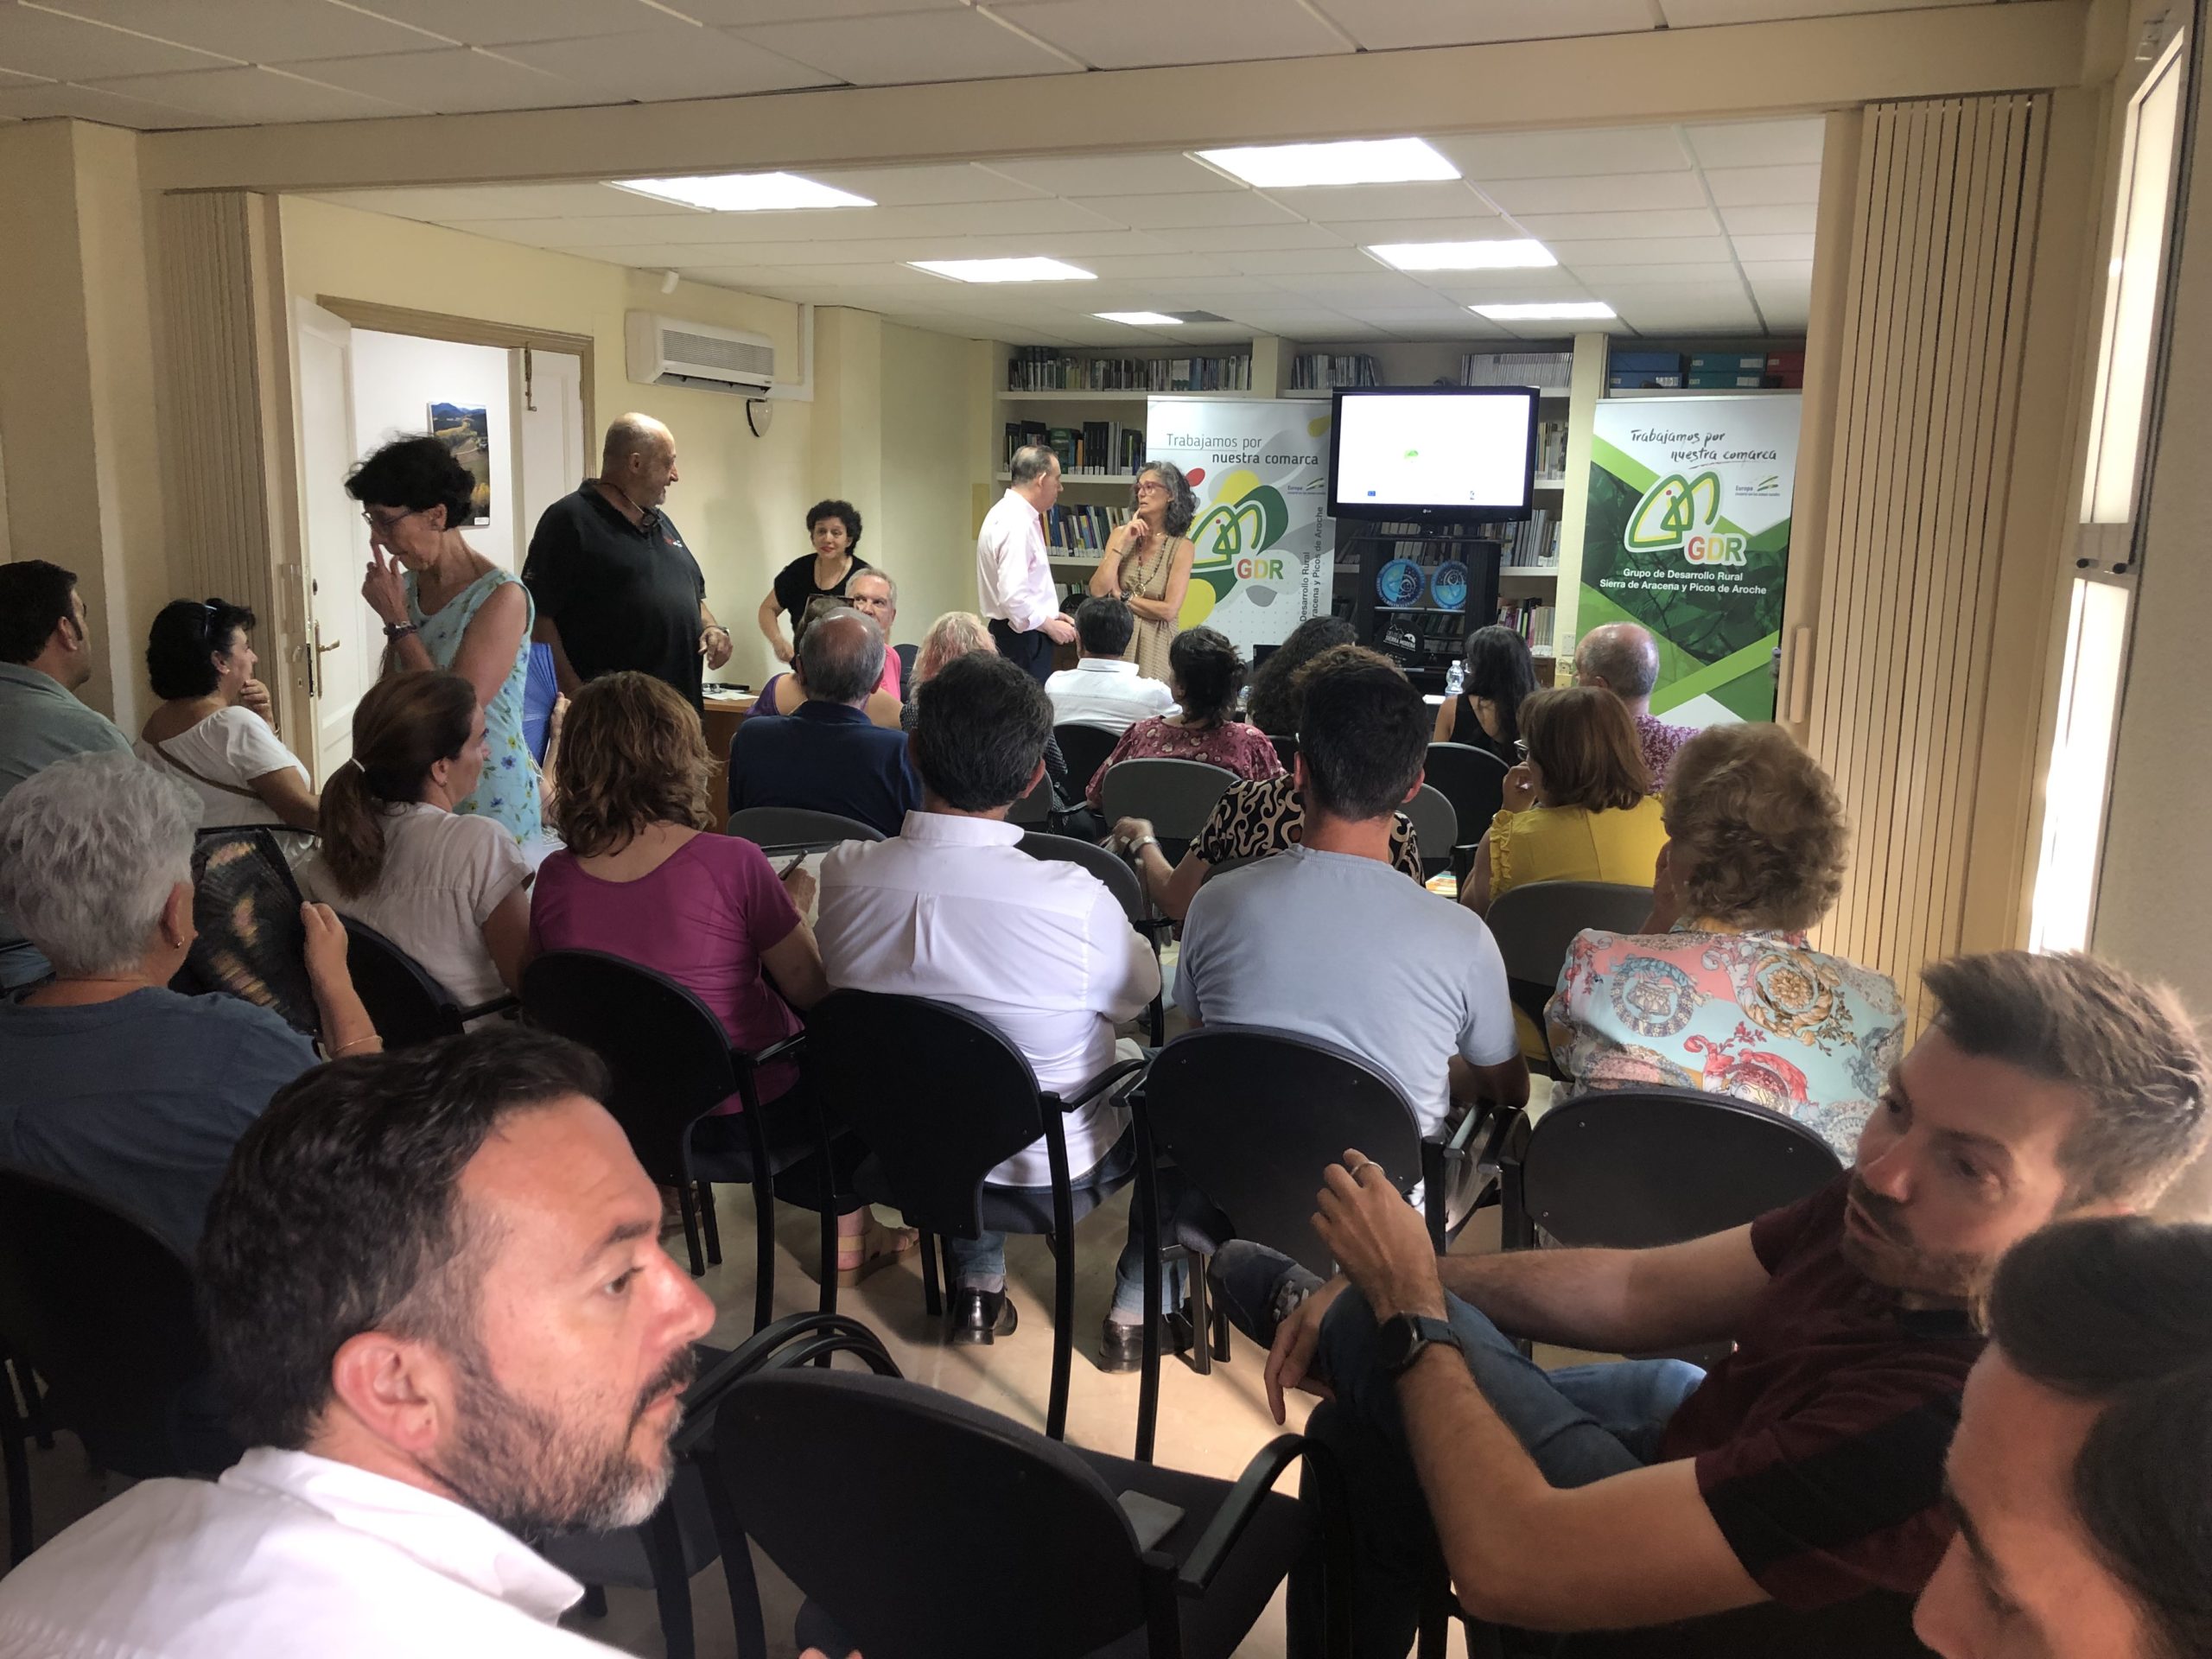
(671, 1585)
(594, 1606)
(737, 1573)
(1201, 1326)
(764, 1250)
(709, 1223)
(1221, 1333)
(829, 1219)
(1435, 1621)
(33, 1402)
(686, 1203)
(1056, 1411)
(932, 1303)
(14, 1449)
(1147, 1204)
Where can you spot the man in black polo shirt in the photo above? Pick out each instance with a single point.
(1790, 1500)
(614, 585)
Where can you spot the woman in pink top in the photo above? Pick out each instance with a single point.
(1206, 674)
(640, 878)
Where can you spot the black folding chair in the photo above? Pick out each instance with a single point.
(953, 1100)
(1177, 796)
(797, 829)
(1473, 781)
(1037, 808)
(405, 1005)
(1285, 749)
(672, 1064)
(948, 1484)
(1436, 828)
(1252, 1118)
(246, 910)
(1086, 748)
(1534, 925)
(1121, 881)
(98, 1308)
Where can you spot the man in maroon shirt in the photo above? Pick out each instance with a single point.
(1802, 1475)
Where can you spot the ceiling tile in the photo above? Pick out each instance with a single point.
(1511, 287)
(1486, 155)
(254, 31)
(1765, 248)
(1758, 143)
(1384, 25)
(1189, 212)
(1700, 14)
(1761, 186)
(1336, 290)
(1372, 232)
(504, 22)
(25, 100)
(69, 48)
(1799, 217)
(1142, 173)
(1246, 238)
(925, 186)
(1330, 204)
(1552, 228)
(911, 46)
(744, 14)
(254, 95)
(1137, 34)
(579, 201)
(451, 80)
(1605, 278)
(655, 65)
(1303, 262)
(1618, 193)
(1654, 250)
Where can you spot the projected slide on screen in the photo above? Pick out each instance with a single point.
(1429, 453)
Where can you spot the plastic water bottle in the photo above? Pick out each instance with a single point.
(1455, 678)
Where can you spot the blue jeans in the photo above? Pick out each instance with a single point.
(984, 1257)
(1579, 1423)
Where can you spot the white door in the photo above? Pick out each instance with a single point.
(345, 642)
(551, 446)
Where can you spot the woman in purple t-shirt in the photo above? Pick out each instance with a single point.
(641, 878)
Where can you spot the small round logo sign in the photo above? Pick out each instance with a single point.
(1447, 586)
(1399, 582)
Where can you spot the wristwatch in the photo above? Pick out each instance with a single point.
(394, 630)
(1400, 1340)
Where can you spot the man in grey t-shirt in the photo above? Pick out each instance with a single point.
(1329, 941)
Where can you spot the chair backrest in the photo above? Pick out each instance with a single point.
(1630, 1168)
(252, 943)
(102, 1310)
(1253, 1118)
(792, 829)
(1035, 807)
(1121, 880)
(1534, 924)
(938, 1095)
(1285, 749)
(1178, 796)
(1472, 779)
(1085, 749)
(1436, 826)
(950, 1485)
(405, 1005)
(907, 655)
(668, 1057)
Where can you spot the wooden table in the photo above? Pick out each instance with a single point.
(721, 718)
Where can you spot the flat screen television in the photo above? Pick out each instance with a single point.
(1433, 454)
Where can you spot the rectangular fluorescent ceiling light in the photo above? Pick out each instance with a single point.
(1550, 311)
(743, 193)
(1004, 270)
(1139, 319)
(1501, 253)
(1357, 160)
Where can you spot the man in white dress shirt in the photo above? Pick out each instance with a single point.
(953, 910)
(1104, 690)
(437, 1305)
(1014, 575)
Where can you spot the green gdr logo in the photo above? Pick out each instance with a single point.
(1231, 539)
(1682, 515)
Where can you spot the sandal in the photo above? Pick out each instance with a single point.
(879, 1247)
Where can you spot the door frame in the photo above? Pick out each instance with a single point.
(471, 331)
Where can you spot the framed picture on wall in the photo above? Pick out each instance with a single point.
(465, 429)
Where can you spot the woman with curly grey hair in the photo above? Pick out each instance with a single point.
(1147, 562)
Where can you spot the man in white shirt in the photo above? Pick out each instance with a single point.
(437, 1303)
(951, 909)
(1014, 575)
(1103, 690)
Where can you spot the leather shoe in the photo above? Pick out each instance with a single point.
(1121, 1345)
(982, 1316)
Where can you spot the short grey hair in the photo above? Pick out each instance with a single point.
(1031, 461)
(1625, 656)
(90, 849)
(840, 658)
(882, 575)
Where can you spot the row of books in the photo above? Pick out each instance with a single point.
(1532, 619)
(1045, 368)
(1530, 545)
(1639, 371)
(1546, 371)
(1083, 529)
(1094, 447)
(1551, 448)
(1320, 372)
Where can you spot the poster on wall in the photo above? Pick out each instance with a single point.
(1266, 557)
(465, 429)
(1688, 532)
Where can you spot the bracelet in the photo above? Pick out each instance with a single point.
(716, 627)
(398, 630)
(1141, 843)
(356, 1043)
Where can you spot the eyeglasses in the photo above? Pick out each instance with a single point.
(370, 519)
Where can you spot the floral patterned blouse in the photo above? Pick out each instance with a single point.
(1244, 750)
(1759, 1015)
(508, 790)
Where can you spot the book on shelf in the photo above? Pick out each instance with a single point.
(1321, 371)
(1532, 544)
(1551, 448)
(1532, 619)
(1083, 529)
(1546, 371)
(1094, 447)
(1045, 368)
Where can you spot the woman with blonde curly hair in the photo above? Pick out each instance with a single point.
(1721, 992)
(643, 877)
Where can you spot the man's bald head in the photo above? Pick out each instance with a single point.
(639, 459)
(1624, 658)
(840, 658)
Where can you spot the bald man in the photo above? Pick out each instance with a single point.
(615, 586)
(1624, 659)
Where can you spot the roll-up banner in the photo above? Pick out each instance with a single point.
(1688, 532)
(1266, 547)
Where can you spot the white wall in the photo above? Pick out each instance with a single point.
(396, 380)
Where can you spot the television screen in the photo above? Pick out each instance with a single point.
(1463, 452)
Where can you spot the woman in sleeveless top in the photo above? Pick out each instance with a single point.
(834, 527)
(1486, 715)
(1147, 562)
(445, 605)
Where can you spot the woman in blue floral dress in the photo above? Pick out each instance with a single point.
(444, 605)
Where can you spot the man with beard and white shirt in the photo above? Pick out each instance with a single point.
(437, 1307)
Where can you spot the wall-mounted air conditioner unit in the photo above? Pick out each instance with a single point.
(667, 351)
